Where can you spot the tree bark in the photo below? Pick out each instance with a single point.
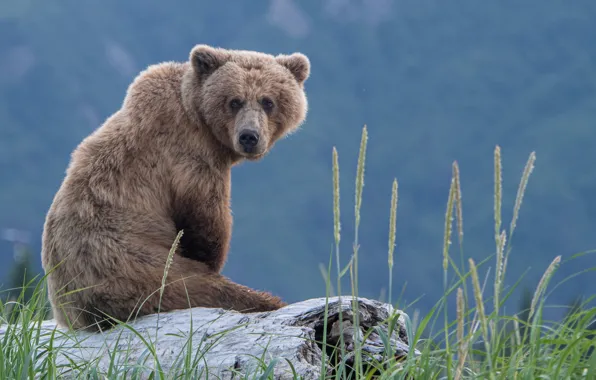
(227, 344)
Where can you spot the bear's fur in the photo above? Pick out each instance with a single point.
(160, 164)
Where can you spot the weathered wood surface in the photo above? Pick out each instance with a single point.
(224, 343)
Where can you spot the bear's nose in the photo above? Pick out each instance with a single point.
(248, 139)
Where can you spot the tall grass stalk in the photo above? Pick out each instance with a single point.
(544, 280)
(498, 192)
(446, 245)
(482, 316)
(337, 236)
(521, 190)
(460, 234)
(356, 247)
(392, 226)
(497, 204)
(462, 344)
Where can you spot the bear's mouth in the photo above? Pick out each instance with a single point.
(251, 152)
(253, 155)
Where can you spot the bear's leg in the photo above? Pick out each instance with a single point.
(192, 281)
(189, 283)
(215, 291)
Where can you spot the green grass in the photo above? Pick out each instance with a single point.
(482, 342)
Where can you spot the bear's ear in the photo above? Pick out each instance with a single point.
(297, 63)
(206, 59)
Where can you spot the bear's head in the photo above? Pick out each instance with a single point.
(248, 99)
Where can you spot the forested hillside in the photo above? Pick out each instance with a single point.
(434, 81)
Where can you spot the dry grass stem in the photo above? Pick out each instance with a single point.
(543, 283)
(448, 225)
(336, 222)
(521, 190)
(458, 203)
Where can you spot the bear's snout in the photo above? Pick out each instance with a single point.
(248, 139)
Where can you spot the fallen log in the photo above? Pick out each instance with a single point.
(224, 344)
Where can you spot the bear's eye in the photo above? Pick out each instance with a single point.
(235, 104)
(267, 104)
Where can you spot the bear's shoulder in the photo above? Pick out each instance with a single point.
(154, 85)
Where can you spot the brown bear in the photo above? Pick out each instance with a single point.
(160, 164)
